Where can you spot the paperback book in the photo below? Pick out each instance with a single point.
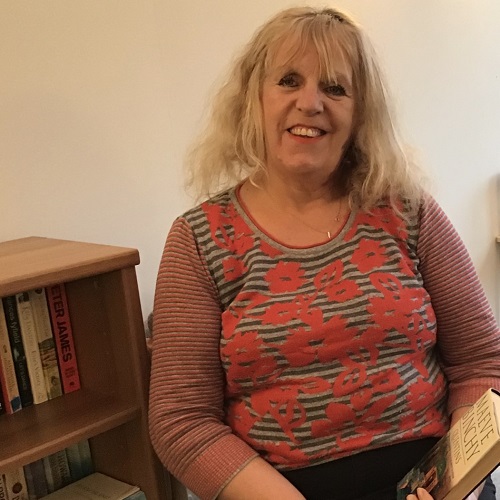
(463, 458)
(97, 486)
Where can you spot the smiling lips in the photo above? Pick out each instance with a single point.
(306, 131)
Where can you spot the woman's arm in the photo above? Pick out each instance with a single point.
(259, 480)
(467, 333)
(187, 382)
(187, 385)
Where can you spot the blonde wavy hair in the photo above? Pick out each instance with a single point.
(375, 165)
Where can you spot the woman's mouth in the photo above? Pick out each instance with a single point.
(300, 131)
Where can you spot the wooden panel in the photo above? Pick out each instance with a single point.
(33, 262)
(40, 430)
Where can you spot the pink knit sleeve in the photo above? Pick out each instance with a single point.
(187, 382)
(467, 332)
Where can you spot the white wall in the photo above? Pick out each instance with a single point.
(99, 99)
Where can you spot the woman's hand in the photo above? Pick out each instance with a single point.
(421, 495)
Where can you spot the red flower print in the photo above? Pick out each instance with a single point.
(329, 280)
(279, 314)
(335, 337)
(435, 425)
(361, 398)
(233, 268)
(285, 277)
(369, 255)
(349, 380)
(383, 218)
(421, 395)
(297, 348)
(246, 360)
(269, 250)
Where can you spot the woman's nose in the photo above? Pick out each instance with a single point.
(310, 99)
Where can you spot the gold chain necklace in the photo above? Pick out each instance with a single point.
(322, 231)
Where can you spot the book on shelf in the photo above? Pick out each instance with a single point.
(63, 335)
(87, 463)
(463, 458)
(13, 485)
(79, 460)
(36, 480)
(17, 348)
(46, 344)
(8, 381)
(57, 470)
(31, 349)
(96, 486)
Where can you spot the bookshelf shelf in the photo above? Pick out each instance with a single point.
(110, 409)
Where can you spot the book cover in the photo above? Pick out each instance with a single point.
(460, 460)
(97, 486)
(30, 482)
(46, 344)
(13, 485)
(63, 335)
(36, 480)
(30, 342)
(17, 348)
(74, 461)
(8, 380)
(57, 470)
(139, 495)
(86, 457)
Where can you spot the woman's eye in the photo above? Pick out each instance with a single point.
(288, 81)
(335, 89)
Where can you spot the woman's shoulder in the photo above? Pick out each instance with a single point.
(215, 204)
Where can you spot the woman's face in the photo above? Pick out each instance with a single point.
(307, 121)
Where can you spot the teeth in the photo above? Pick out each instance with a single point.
(305, 132)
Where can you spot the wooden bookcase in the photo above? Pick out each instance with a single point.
(110, 409)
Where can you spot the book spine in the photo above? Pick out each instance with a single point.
(46, 344)
(15, 484)
(30, 482)
(63, 335)
(49, 477)
(86, 457)
(61, 474)
(17, 348)
(74, 461)
(38, 486)
(30, 342)
(7, 371)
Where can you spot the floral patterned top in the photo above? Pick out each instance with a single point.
(305, 355)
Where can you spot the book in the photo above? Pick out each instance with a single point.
(46, 344)
(63, 335)
(57, 470)
(86, 457)
(17, 348)
(96, 486)
(74, 462)
(462, 458)
(13, 485)
(138, 495)
(30, 342)
(35, 479)
(8, 380)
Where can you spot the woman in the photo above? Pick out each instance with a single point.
(317, 322)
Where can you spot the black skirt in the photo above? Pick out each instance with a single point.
(369, 475)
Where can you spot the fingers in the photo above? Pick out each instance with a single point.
(421, 495)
